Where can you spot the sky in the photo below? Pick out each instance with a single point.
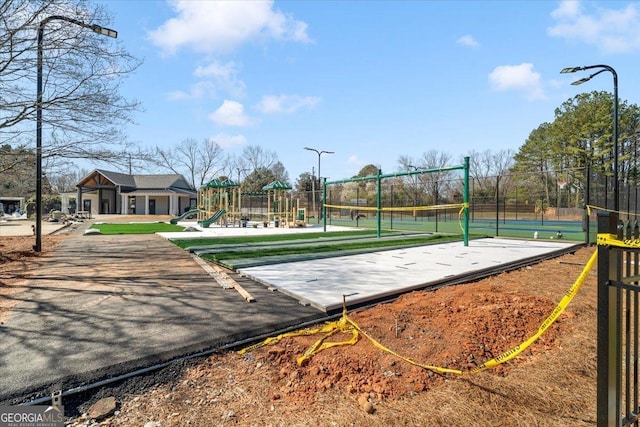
(369, 80)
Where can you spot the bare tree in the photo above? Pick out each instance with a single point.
(82, 110)
(487, 168)
(406, 163)
(199, 162)
(280, 173)
(15, 179)
(437, 185)
(255, 157)
(411, 187)
(65, 182)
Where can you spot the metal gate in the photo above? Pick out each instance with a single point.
(618, 342)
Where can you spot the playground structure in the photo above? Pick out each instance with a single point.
(224, 203)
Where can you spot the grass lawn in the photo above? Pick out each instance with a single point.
(185, 243)
(136, 228)
(324, 246)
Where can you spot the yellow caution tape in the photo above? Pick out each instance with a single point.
(463, 206)
(346, 324)
(341, 325)
(599, 208)
(303, 332)
(399, 208)
(606, 239)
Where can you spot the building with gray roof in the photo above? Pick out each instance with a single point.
(107, 192)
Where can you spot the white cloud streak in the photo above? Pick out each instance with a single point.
(221, 26)
(230, 142)
(468, 41)
(197, 90)
(610, 30)
(216, 78)
(286, 104)
(520, 78)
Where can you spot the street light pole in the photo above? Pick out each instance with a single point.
(93, 27)
(319, 153)
(415, 192)
(603, 68)
(240, 170)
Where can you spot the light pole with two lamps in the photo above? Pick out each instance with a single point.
(603, 68)
(606, 370)
(319, 153)
(415, 191)
(240, 170)
(93, 27)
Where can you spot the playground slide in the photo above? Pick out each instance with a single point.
(216, 216)
(187, 214)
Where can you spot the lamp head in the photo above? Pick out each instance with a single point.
(571, 70)
(580, 81)
(104, 31)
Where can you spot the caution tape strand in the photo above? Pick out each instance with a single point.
(399, 208)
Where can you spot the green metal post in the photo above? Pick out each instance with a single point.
(379, 202)
(323, 208)
(465, 199)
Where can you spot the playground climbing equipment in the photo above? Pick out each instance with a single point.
(222, 202)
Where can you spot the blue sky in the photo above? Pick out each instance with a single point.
(370, 80)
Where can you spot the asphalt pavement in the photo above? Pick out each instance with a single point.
(100, 306)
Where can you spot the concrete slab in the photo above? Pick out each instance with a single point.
(322, 283)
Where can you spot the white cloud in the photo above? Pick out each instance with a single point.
(286, 104)
(517, 77)
(216, 78)
(226, 141)
(230, 113)
(219, 71)
(567, 9)
(220, 26)
(610, 30)
(225, 77)
(468, 41)
(196, 90)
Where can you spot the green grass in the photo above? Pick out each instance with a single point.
(185, 243)
(136, 228)
(323, 247)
